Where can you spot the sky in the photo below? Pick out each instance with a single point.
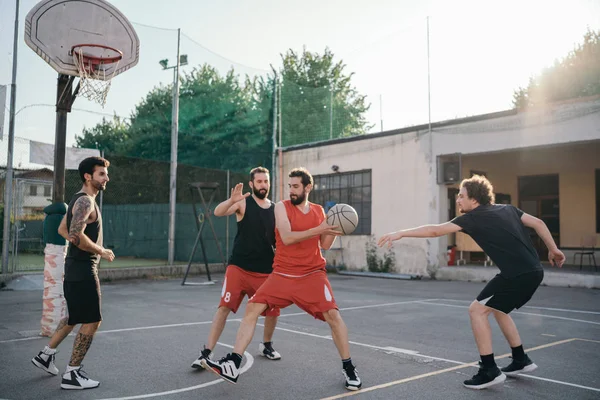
(480, 52)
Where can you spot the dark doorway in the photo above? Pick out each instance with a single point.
(538, 196)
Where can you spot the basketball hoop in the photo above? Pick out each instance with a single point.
(93, 61)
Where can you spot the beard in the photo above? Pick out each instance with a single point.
(297, 199)
(260, 193)
(97, 185)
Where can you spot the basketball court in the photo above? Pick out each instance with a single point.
(409, 339)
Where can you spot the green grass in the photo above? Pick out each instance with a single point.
(35, 262)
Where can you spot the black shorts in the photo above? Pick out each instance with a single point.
(506, 294)
(83, 301)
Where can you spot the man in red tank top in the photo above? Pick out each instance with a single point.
(298, 277)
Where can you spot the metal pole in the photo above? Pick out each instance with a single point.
(381, 111)
(102, 191)
(274, 155)
(227, 226)
(63, 99)
(331, 112)
(429, 90)
(173, 174)
(11, 144)
(280, 146)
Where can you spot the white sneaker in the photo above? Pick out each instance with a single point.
(205, 353)
(77, 379)
(268, 351)
(353, 382)
(45, 360)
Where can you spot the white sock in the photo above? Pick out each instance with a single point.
(70, 368)
(49, 351)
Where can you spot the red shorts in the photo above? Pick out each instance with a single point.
(237, 284)
(312, 293)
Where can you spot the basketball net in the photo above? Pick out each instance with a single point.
(94, 84)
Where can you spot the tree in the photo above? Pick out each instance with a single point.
(226, 122)
(577, 75)
(222, 123)
(108, 135)
(312, 87)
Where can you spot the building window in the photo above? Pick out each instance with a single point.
(353, 188)
(33, 190)
(598, 201)
(47, 191)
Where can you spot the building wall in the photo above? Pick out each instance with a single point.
(401, 196)
(575, 165)
(404, 188)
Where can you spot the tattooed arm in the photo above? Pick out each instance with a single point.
(82, 209)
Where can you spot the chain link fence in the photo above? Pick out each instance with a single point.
(135, 212)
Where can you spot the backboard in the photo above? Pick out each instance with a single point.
(54, 27)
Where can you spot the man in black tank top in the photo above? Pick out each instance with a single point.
(251, 259)
(82, 227)
(501, 231)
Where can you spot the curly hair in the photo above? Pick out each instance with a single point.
(479, 189)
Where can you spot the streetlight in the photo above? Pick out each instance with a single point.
(181, 60)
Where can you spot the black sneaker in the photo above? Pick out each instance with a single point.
(205, 353)
(267, 350)
(485, 378)
(225, 368)
(45, 360)
(517, 367)
(353, 382)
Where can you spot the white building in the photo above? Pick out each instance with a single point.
(544, 160)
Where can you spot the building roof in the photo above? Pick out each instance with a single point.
(436, 125)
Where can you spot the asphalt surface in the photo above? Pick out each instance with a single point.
(410, 339)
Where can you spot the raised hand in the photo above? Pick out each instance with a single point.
(236, 193)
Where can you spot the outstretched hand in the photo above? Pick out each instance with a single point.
(388, 239)
(236, 193)
(556, 258)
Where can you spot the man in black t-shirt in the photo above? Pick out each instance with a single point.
(501, 232)
(251, 259)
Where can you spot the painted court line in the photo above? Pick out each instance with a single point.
(518, 312)
(246, 367)
(141, 328)
(370, 346)
(457, 367)
(538, 308)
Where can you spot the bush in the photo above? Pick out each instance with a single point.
(377, 264)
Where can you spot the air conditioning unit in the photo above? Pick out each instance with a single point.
(449, 169)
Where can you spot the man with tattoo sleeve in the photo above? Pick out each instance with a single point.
(82, 227)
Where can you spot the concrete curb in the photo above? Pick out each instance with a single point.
(117, 274)
(384, 275)
(551, 278)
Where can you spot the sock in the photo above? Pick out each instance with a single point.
(47, 350)
(488, 361)
(206, 351)
(237, 359)
(347, 363)
(518, 353)
(72, 368)
(268, 345)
